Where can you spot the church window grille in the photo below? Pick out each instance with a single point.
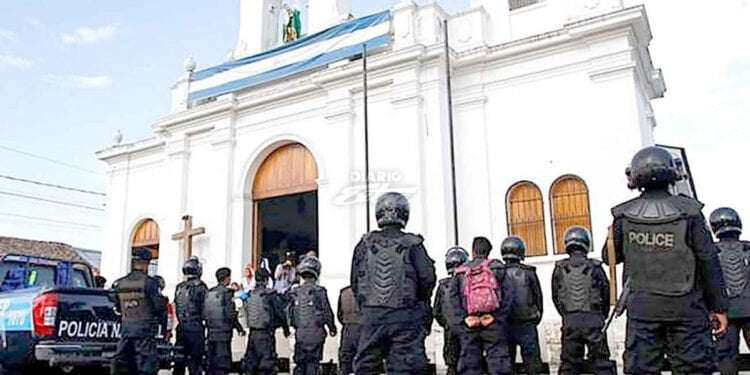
(569, 203)
(525, 212)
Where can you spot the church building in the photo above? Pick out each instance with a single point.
(266, 153)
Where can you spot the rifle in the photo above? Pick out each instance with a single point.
(619, 307)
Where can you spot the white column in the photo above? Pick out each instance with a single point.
(498, 29)
(223, 142)
(171, 257)
(258, 26)
(326, 13)
(404, 24)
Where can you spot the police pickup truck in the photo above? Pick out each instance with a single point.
(51, 315)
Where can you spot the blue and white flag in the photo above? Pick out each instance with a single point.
(320, 49)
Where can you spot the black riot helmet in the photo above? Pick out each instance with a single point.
(513, 247)
(392, 209)
(192, 268)
(309, 266)
(577, 239)
(455, 257)
(725, 221)
(652, 167)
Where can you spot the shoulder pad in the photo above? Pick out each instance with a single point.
(527, 267)
(596, 262)
(496, 264)
(322, 288)
(562, 263)
(410, 239)
(669, 208)
(617, 211)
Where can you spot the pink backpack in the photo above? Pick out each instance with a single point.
(481, 288)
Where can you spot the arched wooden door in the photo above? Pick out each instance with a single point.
(525, 209)
(285, 212)
(569, 199)
(146, 235)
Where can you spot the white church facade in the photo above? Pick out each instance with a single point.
(551, 98)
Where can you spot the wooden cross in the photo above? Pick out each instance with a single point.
(187, 234)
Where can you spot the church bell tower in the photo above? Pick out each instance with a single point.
(259, 27)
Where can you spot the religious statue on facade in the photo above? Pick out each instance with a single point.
(293, 26)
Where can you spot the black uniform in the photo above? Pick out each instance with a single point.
(191, 333)
(351, 321)
(220, 315)
(492, 341)
(264, 313)
(526, 312)
(392, 278)
(451, 340)
(310, 314)
(580, 291)
(675, 280)
(139, 302)
(734, 256)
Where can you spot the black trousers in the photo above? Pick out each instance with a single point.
(260, 354)
(308, 350)
(193, 343)
(687, 345)
(401, 345)
(219, 356)
(491, 341)
(451, 351)
(348, 347)
(525, 336)
(728, 345)
(576, 341)
(135, 356)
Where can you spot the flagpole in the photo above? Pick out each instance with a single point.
(450, 127)
(367, 132)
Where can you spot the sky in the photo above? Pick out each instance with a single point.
(74, 72)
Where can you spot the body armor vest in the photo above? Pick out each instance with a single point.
(524, 305)
(306, 307)
(216, 309)
(735, 264)
(131, 293)
(258, 310)
(385, 268)
(658, 258)
(349, 310)
(187, 303)
(577, 293)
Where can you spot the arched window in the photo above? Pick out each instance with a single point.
(569, 201)
(525, 210)
(146, 235)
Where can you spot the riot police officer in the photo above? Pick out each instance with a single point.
(140, 305)
(189, 298)
(580, 292)
(264, 313)
(734, 256)
(220, 316)
(527, 307)
(310, 314)
(672, 268)
(351, 321)
(454, 258)
(392, 278)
